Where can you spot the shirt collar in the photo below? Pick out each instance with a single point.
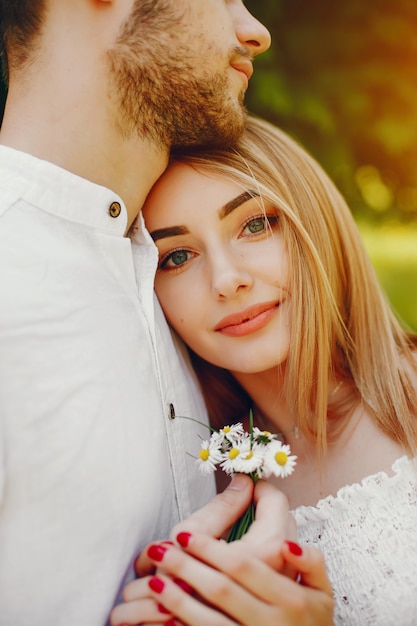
(62, 193)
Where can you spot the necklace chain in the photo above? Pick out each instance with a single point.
(296, 430)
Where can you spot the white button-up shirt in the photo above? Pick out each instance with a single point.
(92, 468)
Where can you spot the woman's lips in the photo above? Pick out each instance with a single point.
(247, 321)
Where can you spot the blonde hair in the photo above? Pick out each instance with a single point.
(342, 325)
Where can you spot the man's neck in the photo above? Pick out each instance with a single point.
(81, 140)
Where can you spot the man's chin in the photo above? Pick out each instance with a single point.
(220, 133)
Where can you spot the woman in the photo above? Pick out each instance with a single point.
(262, 272)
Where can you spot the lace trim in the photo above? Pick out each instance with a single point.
(357, 492)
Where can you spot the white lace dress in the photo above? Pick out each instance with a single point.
(368, 534)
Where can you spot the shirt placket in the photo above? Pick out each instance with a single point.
(145, 259)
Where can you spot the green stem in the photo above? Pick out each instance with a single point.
(185, 417)
(241, 527)
(243, 524)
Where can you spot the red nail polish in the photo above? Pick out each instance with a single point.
(183, 539)
(184, 585)
(294, 548)
(156, 552)
(167, 543)
(156, 584)
(162, 609)
(170, 622)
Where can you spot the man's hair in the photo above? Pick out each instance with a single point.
(20, 25)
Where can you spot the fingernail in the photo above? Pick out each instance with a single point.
(184, 585)
(294, 548)
(156, 552)
(167, 543)
(183, 539)
(162, 609)
(170, 622)
(156, 584)
(239, 482)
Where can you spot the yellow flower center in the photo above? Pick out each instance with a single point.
(204, 455)
(234, 452)
(281, 458)
(249, 455)
(226, 429)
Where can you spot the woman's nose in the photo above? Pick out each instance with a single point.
(230, 278)
(251, 33)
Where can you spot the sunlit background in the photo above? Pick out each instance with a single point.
(341, 77)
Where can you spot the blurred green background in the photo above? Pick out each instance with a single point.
(341, 77)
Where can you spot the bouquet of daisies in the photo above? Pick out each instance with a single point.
(257, 453)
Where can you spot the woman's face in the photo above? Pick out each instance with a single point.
(222, 278)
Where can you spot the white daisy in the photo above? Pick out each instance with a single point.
(258, 453)
(231, 433)
(262, 436)
(278, 460)
(251, 460)
(232, 460)
(209, 456)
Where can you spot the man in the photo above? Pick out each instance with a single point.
(92, 464)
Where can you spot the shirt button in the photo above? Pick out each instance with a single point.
(115, 209)
(171, 411)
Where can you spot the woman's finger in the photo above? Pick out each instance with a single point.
(187, 608)
(214, 519)
(227, 603)
(247, 590)
(222, 511)
(140, 611)
(239, 565)
(273, 525)
(216, 588)
(310, 564)
(272, 516)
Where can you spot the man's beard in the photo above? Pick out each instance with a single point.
(162, 90)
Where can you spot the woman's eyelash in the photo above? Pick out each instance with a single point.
(164, 260)
(272, 219)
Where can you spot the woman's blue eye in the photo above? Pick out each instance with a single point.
(179, 257)
(257, 225)
(174, 259)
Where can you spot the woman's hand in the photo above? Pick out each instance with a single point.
(272, 521)
(250, 581)
(213, 583)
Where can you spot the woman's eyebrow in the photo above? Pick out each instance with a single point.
(230, 206)
(224, 211)
(162, 233)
